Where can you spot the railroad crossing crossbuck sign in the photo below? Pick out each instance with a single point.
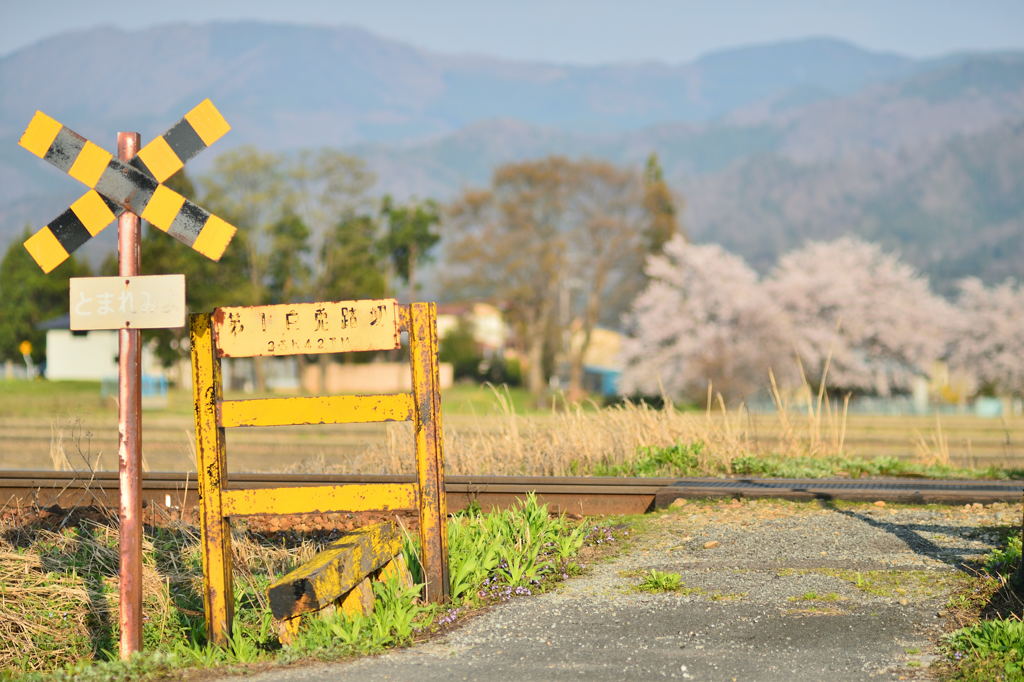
(116, 186)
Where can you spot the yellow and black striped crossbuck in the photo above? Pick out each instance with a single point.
(116, 186)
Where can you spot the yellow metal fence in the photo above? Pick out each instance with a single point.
(334, 327)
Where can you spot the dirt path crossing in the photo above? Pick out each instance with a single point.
(771, 591)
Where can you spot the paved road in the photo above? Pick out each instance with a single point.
(772, 591)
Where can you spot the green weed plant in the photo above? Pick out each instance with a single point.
(682, 459)
(396, 617)
(995, 646)
(660, 581)
(511, 552)
(1003, 560)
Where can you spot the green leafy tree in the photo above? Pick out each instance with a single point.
(286, 203)
(251, 190)
(409, 236)
(662, 207)
(28, 296)
(351, 267)
(288, 270)
(328, 184)
(276, 199)
(459, 348)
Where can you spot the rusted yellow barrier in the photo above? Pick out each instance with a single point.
(339, 576)
(325, 327)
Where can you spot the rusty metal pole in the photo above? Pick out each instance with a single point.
(129, 429)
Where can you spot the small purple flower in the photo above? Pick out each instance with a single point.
(448, 617)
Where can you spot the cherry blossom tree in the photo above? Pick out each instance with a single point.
(702, 318)
(862, 312)
(987, 336)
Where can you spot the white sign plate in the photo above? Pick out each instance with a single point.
(141, 302)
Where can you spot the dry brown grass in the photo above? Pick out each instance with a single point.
(576, 439)
(59, 584)
(807, 422)
(60, 592)
(933, 449)
(39, 607)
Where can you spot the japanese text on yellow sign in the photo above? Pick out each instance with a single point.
(306, 328)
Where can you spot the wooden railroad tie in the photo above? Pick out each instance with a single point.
(339, 577)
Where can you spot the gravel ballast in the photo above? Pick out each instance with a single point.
(771, 591)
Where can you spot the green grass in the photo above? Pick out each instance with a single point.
(43, 398)
(397, 616)
(890, 584)
(47, 398)
(484, 400)
(660, 581)
(687, 459)
(727, 596)
(817, 596)
(991, 645)
(676, 460)
(853, 467)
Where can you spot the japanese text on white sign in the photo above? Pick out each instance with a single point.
(140, 302)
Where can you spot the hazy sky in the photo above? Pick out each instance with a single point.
(577, 31)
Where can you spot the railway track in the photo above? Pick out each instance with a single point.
(176, 491)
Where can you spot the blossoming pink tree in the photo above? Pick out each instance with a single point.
(867, 315)
(702, 318)
(987, 338)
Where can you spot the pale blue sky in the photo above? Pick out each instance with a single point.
(575, 31)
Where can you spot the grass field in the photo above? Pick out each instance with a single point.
(83, 399)
(43, 399)
(47, 425)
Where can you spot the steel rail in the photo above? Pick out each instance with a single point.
(578, 495)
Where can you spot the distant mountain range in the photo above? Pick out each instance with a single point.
(769, 144)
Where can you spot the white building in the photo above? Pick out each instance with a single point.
(88, 355)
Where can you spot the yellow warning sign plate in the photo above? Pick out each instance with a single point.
(306, 328)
